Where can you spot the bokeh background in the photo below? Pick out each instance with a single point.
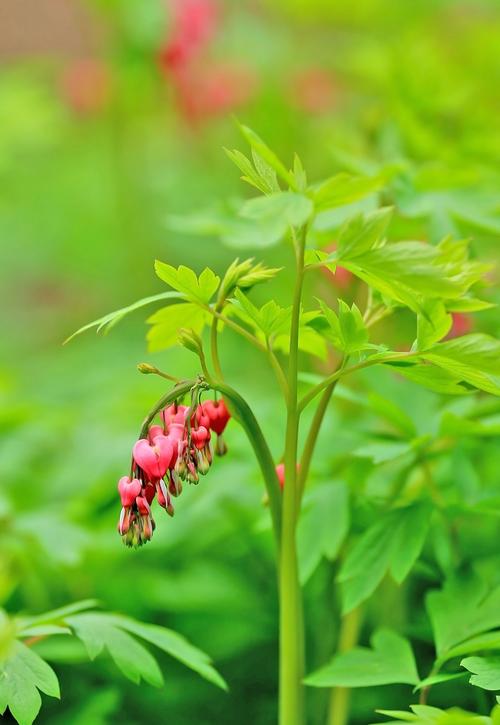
(113, 115)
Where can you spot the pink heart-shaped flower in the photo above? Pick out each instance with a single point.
(129, 489)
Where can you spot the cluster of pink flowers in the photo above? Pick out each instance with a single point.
(178, 450)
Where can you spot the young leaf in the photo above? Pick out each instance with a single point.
(167, 322)
(347, 329)
(258, 145)
(197, 289)
(112, 318)
(436, 379)
(393, 543)
(362, 233)
(389, 661)
(250, 175)
(323, 526)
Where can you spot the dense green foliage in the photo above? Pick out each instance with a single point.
(398, 538)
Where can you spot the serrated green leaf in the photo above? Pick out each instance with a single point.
(58, 615)
(347, 330)
(258, 145)
(438, 679)
(197, 289)
(250, 175)
(390, 661)
(362, 233)
(43, 630)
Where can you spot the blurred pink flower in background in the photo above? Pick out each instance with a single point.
(462, 324)
(341, 278)
(202, 87)
(313, 90)
(86, 85)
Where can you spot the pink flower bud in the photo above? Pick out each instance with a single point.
(142, 506)
(280, 472)
(154, 459)
(129, 489)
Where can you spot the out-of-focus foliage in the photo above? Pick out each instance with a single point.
(100, 157)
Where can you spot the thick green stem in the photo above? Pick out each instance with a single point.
(291, 697)
(338, 713)
(248, 421)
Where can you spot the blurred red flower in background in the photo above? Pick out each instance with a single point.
(341, 278)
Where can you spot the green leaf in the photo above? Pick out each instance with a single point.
(258, 145)
(323, 526)
(433, 323)
(347, 329)
(286, 207)
(22, 675)
(438, 679)
(390, 661)
(262, 177)
(43, 630)
(486, 671)
(436, 379)
(270, 319)
(479, 643)
(475, 359)
(362, 233)
(175, 645)
(197, 289)
(426, 715)
(393, 414)
(463, 608)
(58, 615)
(393, 543)
(167, 322)
(97, 632)
(105, 323)
(343, 189)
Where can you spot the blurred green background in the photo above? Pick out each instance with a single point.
(113, 115)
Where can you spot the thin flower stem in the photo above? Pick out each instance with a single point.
(214, 346)
(178, 391)
(278, 370)
(312, 436)
(291, 696)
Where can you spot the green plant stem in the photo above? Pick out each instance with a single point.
(312, 436)
(217, 314)
(291, 696)
(214, 346)
(248, 421)
(174, 394)
(338, 712)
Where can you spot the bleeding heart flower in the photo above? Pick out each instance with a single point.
(154, 458)
(174, 414)
(218, 415)
(200, 437)
(129, 489)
